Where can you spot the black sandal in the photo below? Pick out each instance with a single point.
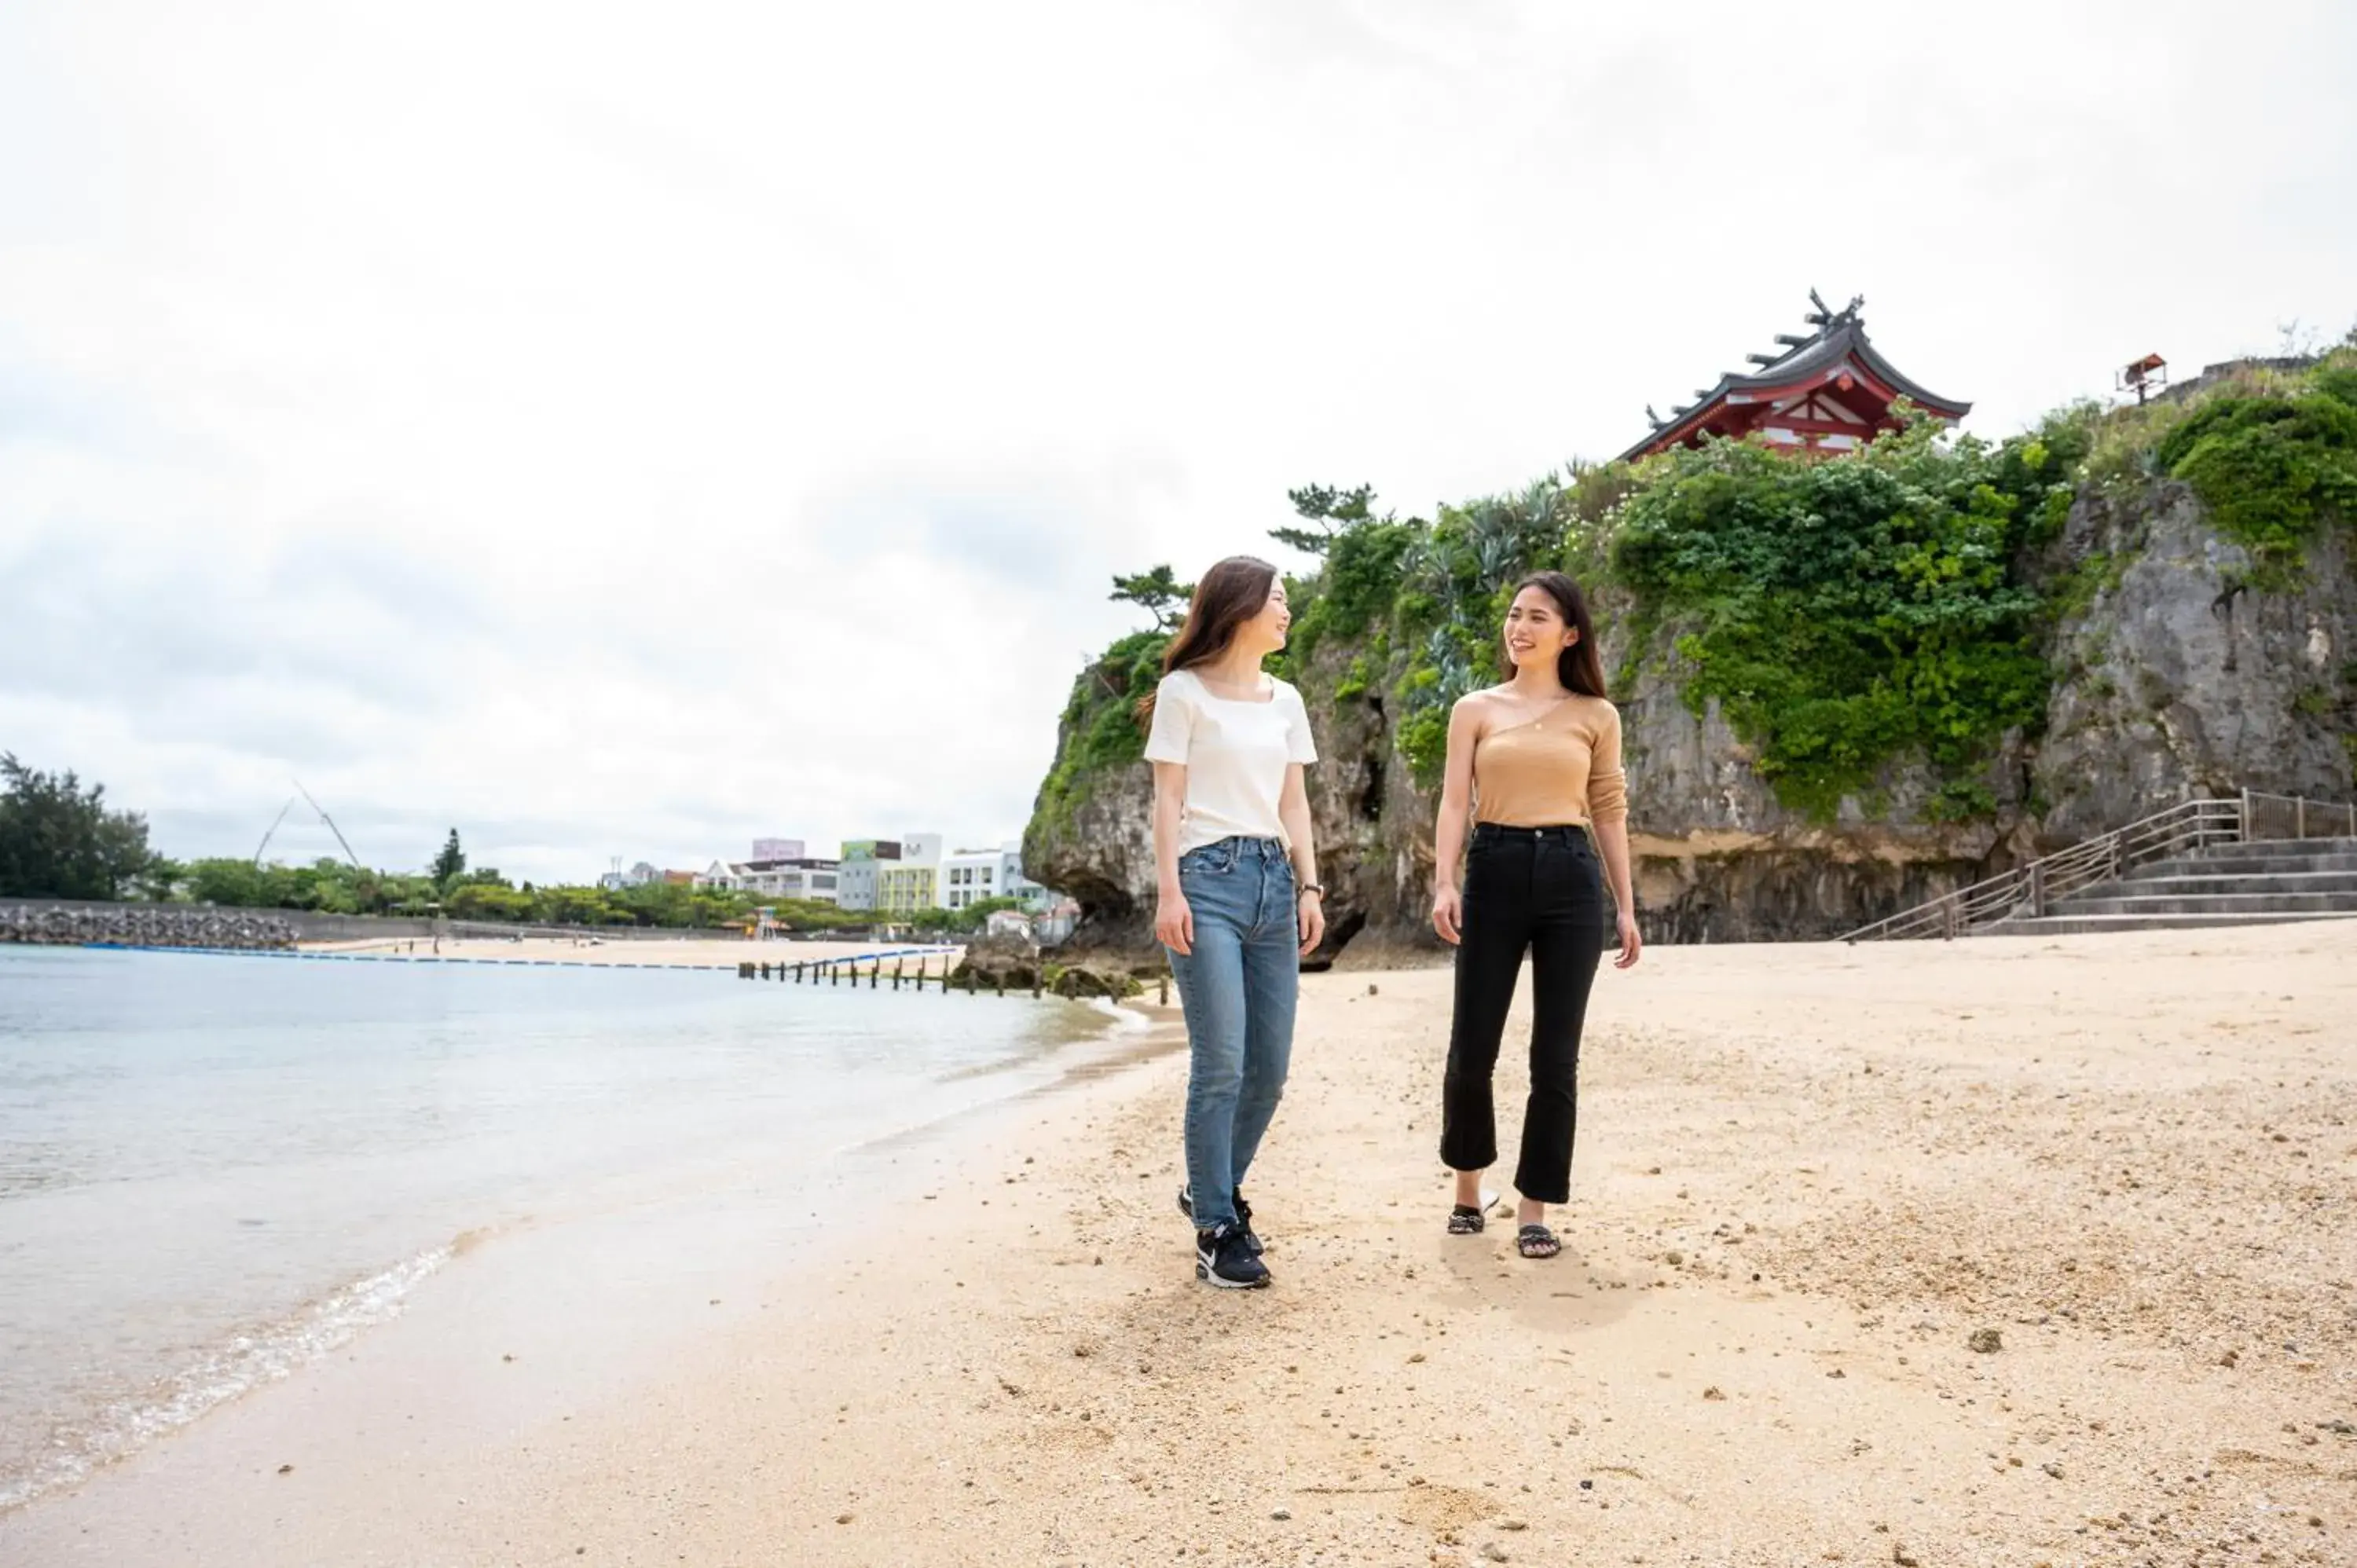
(1464, 1221)
(1537, 1241)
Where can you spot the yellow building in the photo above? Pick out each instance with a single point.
(905, 887)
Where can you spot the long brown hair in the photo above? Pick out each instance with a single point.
(1230, 594)
(1579, 668)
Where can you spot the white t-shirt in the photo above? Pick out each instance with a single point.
(1235, 754)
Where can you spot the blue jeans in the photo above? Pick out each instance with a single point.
(1238, 988)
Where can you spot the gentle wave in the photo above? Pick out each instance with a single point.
(244, 1363)
(1126, 1020)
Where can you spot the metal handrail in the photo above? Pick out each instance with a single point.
(2029, 889)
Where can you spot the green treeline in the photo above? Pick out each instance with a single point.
(1846, 612)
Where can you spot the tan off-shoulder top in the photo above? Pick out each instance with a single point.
(1563, 766)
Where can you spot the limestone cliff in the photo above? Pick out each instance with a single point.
(2171, 675)
(2180, 679)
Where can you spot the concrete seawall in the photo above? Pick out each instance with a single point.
(54, 924)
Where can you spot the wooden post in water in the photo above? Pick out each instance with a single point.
(999, 980)
(969, 980)
(764, 969)
(1166, 991)
(744, 971)
(1038, 979)
(875, 974)
(835, 975)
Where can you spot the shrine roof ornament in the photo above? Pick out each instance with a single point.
(1827, 390)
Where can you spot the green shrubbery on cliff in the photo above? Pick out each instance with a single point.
(1100, 722)
(1845, 613)
(2273, 467)
(1850, 612)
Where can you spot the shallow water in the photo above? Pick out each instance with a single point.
(216, 1168)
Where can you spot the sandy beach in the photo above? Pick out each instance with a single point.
(1989, 1253)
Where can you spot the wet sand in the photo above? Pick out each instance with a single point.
(1989, 1253)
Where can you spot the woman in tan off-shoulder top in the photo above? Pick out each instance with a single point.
(1535, 768)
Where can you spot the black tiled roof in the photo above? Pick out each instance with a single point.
(1839, 336)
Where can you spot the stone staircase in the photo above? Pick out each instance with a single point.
(2260, 883)
(2236, 859)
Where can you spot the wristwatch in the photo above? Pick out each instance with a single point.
(1316, 887)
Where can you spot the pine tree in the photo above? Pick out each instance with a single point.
(451, 863)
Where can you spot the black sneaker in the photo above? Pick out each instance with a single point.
(1223, 1258)
(1243, 1216)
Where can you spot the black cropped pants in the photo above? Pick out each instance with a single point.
(1534, 890)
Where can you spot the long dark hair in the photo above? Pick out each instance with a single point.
(1230, 594)
(1579, 669)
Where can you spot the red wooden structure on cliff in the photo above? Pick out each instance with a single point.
(1829, 391)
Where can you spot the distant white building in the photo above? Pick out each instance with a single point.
(801, 878)
(777, 849)
(972, 875)
(638, 875)
(1054, 923)
(797, 878)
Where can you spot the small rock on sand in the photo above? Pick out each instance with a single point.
(1280, 1513)
(1986, 1341)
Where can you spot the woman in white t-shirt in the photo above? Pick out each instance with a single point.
(1239, 902)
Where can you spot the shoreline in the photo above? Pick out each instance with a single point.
(587, 1230)
(1807, 1178)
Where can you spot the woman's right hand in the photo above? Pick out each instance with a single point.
(1448, 913)
(1174, 923)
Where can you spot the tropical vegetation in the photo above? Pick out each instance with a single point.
(1845, 614)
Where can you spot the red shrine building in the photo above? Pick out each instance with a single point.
(1829, 391)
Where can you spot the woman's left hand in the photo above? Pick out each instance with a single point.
(1313, 922)
(1633, 946)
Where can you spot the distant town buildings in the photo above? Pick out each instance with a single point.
(875, 876)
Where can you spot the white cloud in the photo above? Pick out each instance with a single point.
(617, 431)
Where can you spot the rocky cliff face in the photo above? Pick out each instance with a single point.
(2178, 681)
(2171, 682)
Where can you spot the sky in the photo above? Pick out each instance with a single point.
(624, 431)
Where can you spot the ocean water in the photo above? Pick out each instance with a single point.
(215, 1169)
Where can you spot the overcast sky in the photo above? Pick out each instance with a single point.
(623, 431)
